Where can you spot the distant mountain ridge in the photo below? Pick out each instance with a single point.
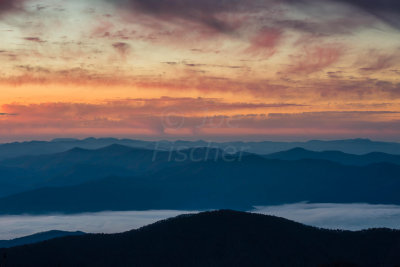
(36, 238)
(215, 184)
(219, 238)
(118, 177)
(335, 156)
(352, 146)
(80, 165)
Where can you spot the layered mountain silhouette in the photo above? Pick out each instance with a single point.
(234, 182)
(352, 146)
(36, 238)
(79, 165)
(219, 238)
(335, 156)
(17, 149)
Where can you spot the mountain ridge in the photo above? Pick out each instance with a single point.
(36, 238)
(252, 181)
(217, 238)
(299, 153)
(352, 146)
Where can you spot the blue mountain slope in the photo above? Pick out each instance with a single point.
(336, 156)
(239, 184)
(79, 165)
(35, 238)
(352, 146)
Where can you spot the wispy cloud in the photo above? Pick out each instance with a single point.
(315, 58)
(10, 5)
(196, 118)
(207, 12)
(338, 216)
(280, 66)
(387, 10)
(102, 222)
(34, 39)
(122, 48)
(375, 61)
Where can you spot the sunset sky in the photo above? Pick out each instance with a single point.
(200, 69)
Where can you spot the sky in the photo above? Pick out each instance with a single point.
(209, 69)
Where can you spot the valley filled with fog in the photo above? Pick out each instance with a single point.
(330, 216)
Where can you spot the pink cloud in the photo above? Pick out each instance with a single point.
(122, 48)
(150, 117)
(378, 61)
(265, 42)
(315, 58)
(103, 28)
(10, 5)
(34, 39)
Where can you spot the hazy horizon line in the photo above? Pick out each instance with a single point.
(215, 140)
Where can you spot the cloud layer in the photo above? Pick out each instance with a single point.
(332, 216)
(274, 67)
(338, 216)
(387, 10)
(194, 118)
(102, 222)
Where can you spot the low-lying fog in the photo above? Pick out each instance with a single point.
(338, 216)
(333, 216)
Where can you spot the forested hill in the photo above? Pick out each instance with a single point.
(220, 238)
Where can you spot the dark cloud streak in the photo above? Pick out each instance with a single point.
(10, 5)
(8, 114)
(204, 12)
(215, 16)
(386, 10)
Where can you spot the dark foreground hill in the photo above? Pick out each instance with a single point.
(35, 238)
(221, 238)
